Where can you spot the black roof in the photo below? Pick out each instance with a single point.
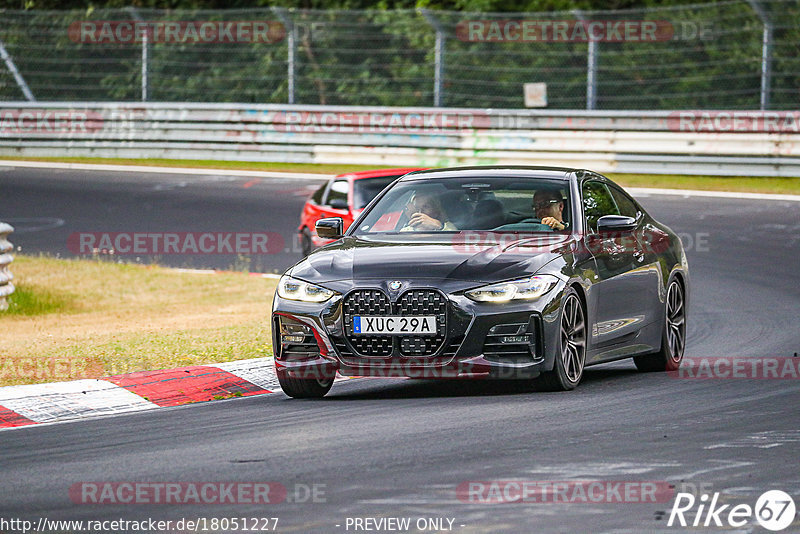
(531, 171)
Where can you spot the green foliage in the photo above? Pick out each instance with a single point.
(460, 5)
(386, 56)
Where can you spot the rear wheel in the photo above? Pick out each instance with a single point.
(304, 388)
(306, 245)
(571, 356)
(673, 337)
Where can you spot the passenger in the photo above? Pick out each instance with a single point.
(549, 208)
(425, 214)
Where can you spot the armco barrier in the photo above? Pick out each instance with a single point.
(748, 143)
(6, 287)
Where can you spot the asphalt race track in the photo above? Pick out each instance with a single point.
(379, 449)
(47, 206)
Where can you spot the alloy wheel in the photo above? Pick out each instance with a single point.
(676, 322)
(573, 338)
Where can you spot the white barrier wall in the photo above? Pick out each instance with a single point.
(748, 143)
(6, 287)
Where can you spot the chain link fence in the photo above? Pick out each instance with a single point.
(725, 55)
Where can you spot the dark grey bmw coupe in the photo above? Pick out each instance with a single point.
(510, 272)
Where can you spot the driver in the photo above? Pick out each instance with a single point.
(425, 214)
(549, 208)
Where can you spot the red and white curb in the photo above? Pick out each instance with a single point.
(134, 392)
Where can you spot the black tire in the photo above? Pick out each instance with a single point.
(673, 336)
(571, 350)
(304, 388)
(306, 245)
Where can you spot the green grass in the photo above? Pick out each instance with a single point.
(215, 164)
(87, 319)
(32, 301)
(708, 183)
(179, 347)
(788, 186)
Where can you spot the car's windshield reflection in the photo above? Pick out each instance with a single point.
(502, 205)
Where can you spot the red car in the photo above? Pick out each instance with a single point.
(343, 196)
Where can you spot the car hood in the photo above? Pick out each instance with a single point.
(483, 258)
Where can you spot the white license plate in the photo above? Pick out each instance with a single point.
(394, 324)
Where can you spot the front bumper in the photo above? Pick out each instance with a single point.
(483, 340)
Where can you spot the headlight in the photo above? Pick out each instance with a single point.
(523, 289)
(294, 289)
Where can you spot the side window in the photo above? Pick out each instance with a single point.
(337, 192)
(625, 205)
(597, 201)
(316, 198)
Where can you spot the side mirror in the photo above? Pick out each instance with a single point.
(615, 223)
(338, 204)
(330, 227)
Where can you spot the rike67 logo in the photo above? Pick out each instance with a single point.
(774, 510)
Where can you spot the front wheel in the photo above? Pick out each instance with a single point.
(304, 388)
(673, 337)
(571, 356)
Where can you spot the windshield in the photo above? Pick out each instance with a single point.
(365, 189)
(497, 204)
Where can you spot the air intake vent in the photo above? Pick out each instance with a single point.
(509, 343)
(297, 340)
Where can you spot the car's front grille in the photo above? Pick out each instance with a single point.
(411, 303)
(367, 302)
(423, 302)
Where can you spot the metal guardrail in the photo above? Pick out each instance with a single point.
(6, 287)
(745, 143)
